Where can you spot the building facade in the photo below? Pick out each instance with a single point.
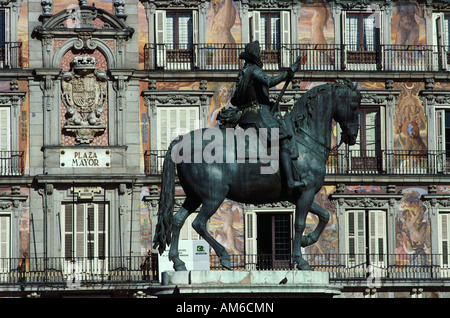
(92, 93)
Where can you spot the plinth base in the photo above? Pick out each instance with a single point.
(246, 284)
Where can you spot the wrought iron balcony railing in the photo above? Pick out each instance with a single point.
(78, 271)
(391, 162)
(313, 57)
(83, 271)
(357, 162)
(10, 55)
(353, 267)
(11, 163)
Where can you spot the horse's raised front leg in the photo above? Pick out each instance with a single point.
(210, 207)
(178, 220)
(301, 211)
(324, 217)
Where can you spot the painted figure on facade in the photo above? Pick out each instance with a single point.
(209, 183)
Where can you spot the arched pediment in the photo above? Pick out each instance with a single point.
(84, 17)
(74, 19)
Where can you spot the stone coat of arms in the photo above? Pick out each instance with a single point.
(84, 94)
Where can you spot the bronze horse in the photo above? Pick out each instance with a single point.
(209, 184)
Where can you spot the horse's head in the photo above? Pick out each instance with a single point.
(347, 112)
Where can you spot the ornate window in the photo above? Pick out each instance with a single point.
(11, 158)
(170, 114)
(439, 207)
(441, 38)
(444, 237)
(366, 153)
(84, 231)
(366, 235)
(176, 33)
(5, 238)
(366, 226)
(361, 39)
(272, 30)
(437, 110)
(373, 152)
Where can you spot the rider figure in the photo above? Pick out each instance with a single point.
(252, 98)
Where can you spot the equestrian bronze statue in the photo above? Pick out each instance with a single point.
(305, 138)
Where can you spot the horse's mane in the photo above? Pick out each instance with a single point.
(304, 106)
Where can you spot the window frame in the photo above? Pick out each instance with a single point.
(362, 59)
(364, 248)
(69, 216)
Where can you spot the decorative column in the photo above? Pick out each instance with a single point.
(243, 15)
(120, 86)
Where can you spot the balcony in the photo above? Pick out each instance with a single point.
(313, 57)
(72, 273)
(11, 163)
(78, 271)
(353, 267)
(10, 55)
(357, 162)
(390, 162)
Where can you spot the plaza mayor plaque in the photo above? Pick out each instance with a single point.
(85, 158)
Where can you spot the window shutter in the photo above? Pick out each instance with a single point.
(441, 39)
(173, 121)
(4, 236)
(440, 139)
(80, 231)
(101, 220)
(68, 227)
(255, 24)
(351, 32)
(90, 237)
(160, 37)
(377, 247)
(250, 240)
(5, 129)
(444, 231)
(285, 25)
(356, 235)
(195, 38)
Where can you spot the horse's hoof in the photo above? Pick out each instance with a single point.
(225, 263)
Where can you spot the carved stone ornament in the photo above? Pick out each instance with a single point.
(84, 95)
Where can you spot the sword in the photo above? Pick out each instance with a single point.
(277, 103)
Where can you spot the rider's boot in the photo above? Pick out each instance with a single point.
(286, 163)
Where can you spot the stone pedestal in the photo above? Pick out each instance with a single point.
(234, 284)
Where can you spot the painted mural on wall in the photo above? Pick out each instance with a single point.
(223, 24)
(315, 25)
(410, 123)
(412, 230)
(227, 227)
(223, 32)
(328, 241)
(408, 24)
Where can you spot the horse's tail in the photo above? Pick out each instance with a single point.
(163, 230)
